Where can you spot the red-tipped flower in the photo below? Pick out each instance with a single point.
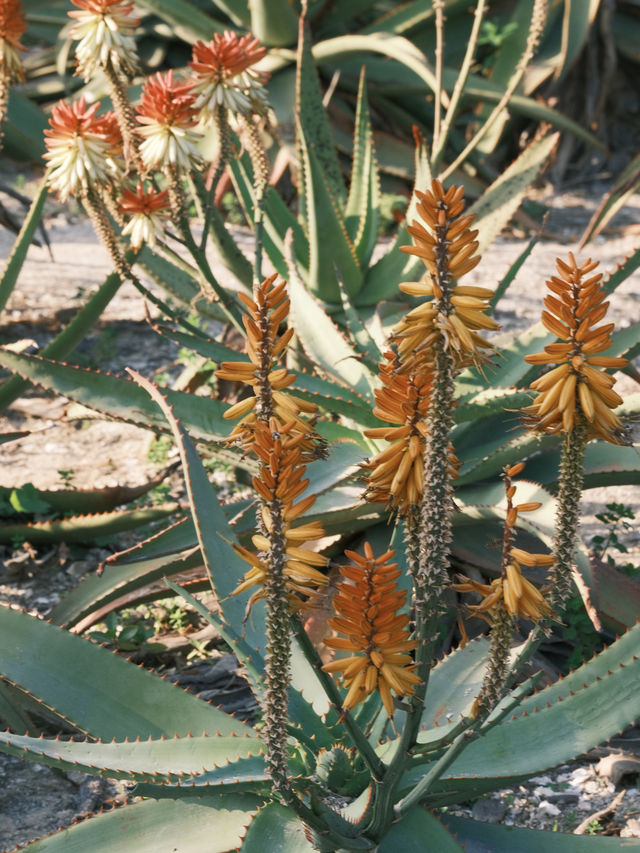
(166, 113)
(12, 28)
(83, 149)
(224, 74)
(147, 210)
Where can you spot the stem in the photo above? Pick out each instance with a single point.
(461, 80)
(260, 165)
(438, 8)
(125, 115)
(538, 18)
(374, 764)
(568, 513)
(222, 126)
(211, 287)
(277, 671)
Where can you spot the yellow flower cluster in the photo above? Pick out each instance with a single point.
(268, 381)
(397, 472)
(576, 389)
(448, 248)
(280, 484)
(367, 604)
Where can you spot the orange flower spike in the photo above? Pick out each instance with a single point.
(167, 115)
(576, 391)
(448, 249)
(367, 602)
(265, 313)
(104, 30)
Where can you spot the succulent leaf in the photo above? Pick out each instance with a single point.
(276, 828)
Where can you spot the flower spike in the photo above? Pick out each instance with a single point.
(367, 604)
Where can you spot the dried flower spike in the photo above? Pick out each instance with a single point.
(147, 210)
(12, 27)
(367, 604)
(448, 248)
(84, 150)
(104, 30)
(576, 389)
(225, 76)
(167, 115)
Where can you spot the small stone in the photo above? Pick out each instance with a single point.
(631, 829)
(547, 808)
(540, 780)
(489, 810)
(542, 792)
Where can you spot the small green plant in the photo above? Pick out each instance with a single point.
(618, 520)
(67, 475)
(594, 827)
(159, 449)
(127, 632)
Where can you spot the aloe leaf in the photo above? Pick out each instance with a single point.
(578, 19)
(579, 722)
(513, 271)
(501, 200)
(177, 283)
(66, 341)
(359, 334)
(23, 241)
(237, 10)
(454, 683)
(6, 437)
(604, 465)
(117, 397)
(332, 397)
(332, 51)
(410, 834)
(98, 594)
(326, 231)
(622, 272)
(314, 127)
(179, 536)
(105, 696)
(619, 653)
(206, 347)
(278, 829)
(24, 128)
(11, 713)
(249, 658)
(135, 760)
(274, 22)
(362, 213)
(478, 836)
(215, 536)
(478, 88)
(324, 344)
(187, 20)
(190, 826)
(84, 528)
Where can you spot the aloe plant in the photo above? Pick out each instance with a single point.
(393, 767)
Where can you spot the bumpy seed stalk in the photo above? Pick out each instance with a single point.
(276, 697)
(498, 665)
(568, 513)
(125, 114)
(260, 163)
(4, 100)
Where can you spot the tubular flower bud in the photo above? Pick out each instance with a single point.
(576, 390)
(397, 472)
(166, 113)
(84, 150)
(104, 30)
(148, 210)
(225, 77)
(12, 28)
(269, 400)
(282, 480)
(511, 592)
(375, 634)
(447, 246)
